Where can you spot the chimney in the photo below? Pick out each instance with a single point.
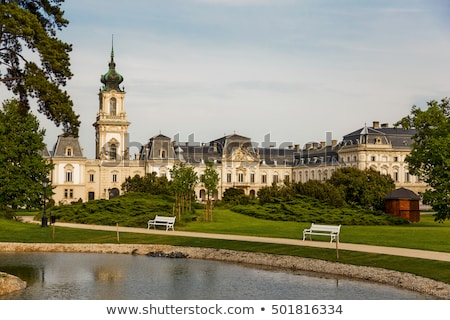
(315, 145)
(376, 124)
(308, 146)
(329, 137)
(297, 147)
(385, 125)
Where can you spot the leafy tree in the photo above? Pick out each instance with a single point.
(321, 190)
(22, 167)
(28, 31)
(184, 180)
(150, 183)
(430, 153)
(210, 180)
(366, 188)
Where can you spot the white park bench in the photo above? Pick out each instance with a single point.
(168, 222)
(323, 230)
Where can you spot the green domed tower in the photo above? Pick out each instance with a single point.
(111, 126)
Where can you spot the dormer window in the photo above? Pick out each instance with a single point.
(69, 152)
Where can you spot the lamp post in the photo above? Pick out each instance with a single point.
(44, 222)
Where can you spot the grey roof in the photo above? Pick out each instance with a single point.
(45, 153)
(398, 137)
(64, 142)
(402, 193)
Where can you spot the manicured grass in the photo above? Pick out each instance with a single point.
(229, 222)
(426, 235)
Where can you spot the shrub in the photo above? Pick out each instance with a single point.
(235, 196)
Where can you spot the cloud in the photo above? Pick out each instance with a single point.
(295, 69)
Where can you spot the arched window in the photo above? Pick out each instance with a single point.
(264, 178)
(275, 178)
(69, 176)
(113, 152)
(112, 106)
(202, 194)
(68, 173)
(395, 175)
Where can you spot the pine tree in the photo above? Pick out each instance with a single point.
(34, 63)
(22, 167)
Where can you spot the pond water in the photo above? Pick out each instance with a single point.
(77, 276)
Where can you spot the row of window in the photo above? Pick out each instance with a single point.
(240, 178)
(372, 158)
(308, 175)
(69, 177)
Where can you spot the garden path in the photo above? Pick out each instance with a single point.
(423, 254)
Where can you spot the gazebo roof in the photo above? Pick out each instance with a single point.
(402, 193)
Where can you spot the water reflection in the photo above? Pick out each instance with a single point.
(106, 276)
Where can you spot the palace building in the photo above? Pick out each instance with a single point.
(239, 162)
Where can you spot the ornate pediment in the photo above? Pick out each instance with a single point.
(242, 155)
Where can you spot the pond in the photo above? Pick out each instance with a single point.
(78, 276)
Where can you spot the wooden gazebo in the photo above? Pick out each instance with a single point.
(403, 203)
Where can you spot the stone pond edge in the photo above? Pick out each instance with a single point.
(398, 279)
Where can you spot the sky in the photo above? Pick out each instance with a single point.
(292, 69)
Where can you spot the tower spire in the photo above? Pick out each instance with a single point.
(112, 47)
(112, 78)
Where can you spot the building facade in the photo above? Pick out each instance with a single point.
(239, 162)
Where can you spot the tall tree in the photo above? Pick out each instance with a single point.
(22, 167)
(184, 180)
(210, 180)
(366, 188)
(34, 63)
(430, 153)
